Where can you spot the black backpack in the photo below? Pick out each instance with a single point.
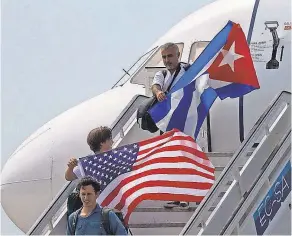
(147, 122)
(105, 220)
(73, 203)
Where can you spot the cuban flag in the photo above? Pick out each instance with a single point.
(224, 69)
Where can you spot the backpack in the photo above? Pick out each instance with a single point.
(105, 220)
(147, 122)
(73, 203)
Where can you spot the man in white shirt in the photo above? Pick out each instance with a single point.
(163, 82)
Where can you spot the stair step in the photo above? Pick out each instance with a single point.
(157, 225)
(219, 154)
(162, 209)
(150, 204)
(225, 154)
(157, 204)
(159, 217)
(220, 160)
(157, 231)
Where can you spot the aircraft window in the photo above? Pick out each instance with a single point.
(196, 49)
(134, 67)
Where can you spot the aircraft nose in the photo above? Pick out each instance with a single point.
(26, 182)
(34, 174)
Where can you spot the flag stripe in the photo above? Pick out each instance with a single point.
(173, 160)
(233, 90)
(169, 168)
(180, 113)
(115, 186)
(192, 115)
(174, 153)
(178, 165)
(159, 139)
(143, 149)
(160, 197)
(176, 145)
(120, 202)
(177, 148)
(178, 181)
(161, 190)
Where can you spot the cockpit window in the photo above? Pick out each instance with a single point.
(138, 64)
(196, 49)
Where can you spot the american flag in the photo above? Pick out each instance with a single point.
(169, 167)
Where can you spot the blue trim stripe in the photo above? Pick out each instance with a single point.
(233, 90)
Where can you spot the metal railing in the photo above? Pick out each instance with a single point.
(278, 111)
(278, 157)
(49, 218)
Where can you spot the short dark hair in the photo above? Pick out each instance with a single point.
(85, 181)
(98, 136)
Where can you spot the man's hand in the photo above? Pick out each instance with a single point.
(156, 90)
(160, 96)
(72, 163)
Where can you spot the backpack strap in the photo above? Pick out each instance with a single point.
(174, 76)
(187, 66)
(106, 221)
(75, 219)
(164, 73)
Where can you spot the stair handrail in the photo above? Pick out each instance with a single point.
(283, 98)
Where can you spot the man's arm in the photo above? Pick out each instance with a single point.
(69, 173)
(116, 225)
(156, 87)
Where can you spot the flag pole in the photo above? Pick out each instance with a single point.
(251, 26)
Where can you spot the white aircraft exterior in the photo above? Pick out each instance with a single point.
(29, 186)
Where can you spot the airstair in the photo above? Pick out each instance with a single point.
(242, 180)
(258, 199)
